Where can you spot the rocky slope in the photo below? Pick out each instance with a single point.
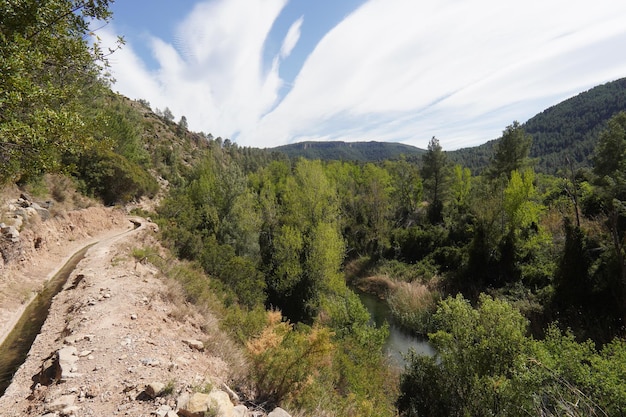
(118, 339)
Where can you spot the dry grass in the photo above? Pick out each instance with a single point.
(413, 304)
(379, 285)
(193, 302)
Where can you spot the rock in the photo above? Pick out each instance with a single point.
(166, 411)
(70, 411)
(241, 411)
(75, 338)
(133, 316)
(18, 221)
(182, 400)
(194, 405)
(219, 402)
(66, 360)
(43, 213)
(194, 344)
(154, 389)
(163, 411)
(150, 361)
(279, 412)
(11, 233)
(61, 403)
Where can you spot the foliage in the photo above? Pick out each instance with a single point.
(486, 365)
(47, 67)
(285, 359)
(303, 247)
(510, 152)
(412, 305)
(114, 178)
(610, 168)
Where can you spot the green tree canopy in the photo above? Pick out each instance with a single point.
(46, 66)
(436, 172)
(511, 151)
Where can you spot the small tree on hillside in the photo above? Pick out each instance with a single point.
(511, 152)
(182, 126)
(168, 115)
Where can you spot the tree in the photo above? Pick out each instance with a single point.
(408, 188)
(435, 171)
(479, 353)
(182, 126)
(610, 168)
(46, 68)
(461, 186)
(302, 247)
(168, 115)
(511, 151)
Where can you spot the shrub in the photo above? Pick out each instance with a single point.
(286, 359)
(115, 179)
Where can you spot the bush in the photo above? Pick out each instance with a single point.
(287, 359)
(115, 179)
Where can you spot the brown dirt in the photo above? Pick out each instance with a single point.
(135, 333)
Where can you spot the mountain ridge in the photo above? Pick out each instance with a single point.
(565, 131)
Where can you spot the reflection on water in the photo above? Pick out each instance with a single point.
(399, 341)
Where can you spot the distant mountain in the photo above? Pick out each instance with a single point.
(568, 129)
(349, 151)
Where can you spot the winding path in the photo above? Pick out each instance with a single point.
(127, 325)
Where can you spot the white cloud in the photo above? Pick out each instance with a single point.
(213, 73)
(459, 70)
(291, 39)
(396, 70)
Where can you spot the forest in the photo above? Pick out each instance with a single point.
(516, 275)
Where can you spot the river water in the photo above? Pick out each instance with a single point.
(399, 341)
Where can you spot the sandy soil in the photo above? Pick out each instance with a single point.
(118, 314)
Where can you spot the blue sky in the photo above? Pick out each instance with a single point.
(270, 72)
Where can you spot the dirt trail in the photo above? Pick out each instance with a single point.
(119, 316)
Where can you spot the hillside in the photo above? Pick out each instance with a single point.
(568, 129)
(234, 276)
(349, 151)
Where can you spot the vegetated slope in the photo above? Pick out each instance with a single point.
(568, 129)
(349, 151)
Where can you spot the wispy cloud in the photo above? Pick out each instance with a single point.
(292, 37)
(393, 70)
(213, 72)
(461, 70)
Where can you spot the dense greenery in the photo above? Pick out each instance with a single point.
(487, 365)
(47, 68)
(518, 277)
(544, 248)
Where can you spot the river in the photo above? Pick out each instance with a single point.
(399, 341)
